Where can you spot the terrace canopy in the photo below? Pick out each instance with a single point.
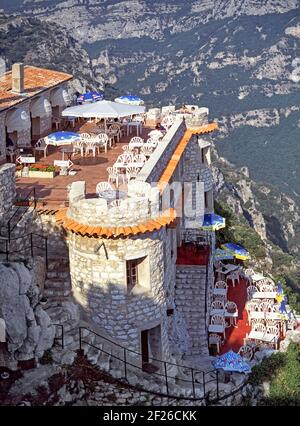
(103, 109)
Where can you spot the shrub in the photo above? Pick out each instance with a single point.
(267, 369)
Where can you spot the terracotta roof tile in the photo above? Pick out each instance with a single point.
(36, 80)
(154, 224)
(173, 162)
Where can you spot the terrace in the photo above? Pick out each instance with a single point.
(53, 193)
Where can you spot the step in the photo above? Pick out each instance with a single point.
(57, 293)
(57, 284)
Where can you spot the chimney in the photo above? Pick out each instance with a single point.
(17, 75)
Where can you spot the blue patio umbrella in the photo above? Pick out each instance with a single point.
(223, 254)
(213, 222)
(130, 100)
(238, 251)
(90, 97)
(279, 288)
(62, 138)
(231, 361)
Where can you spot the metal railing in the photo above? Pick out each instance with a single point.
(60, 338)
(10, 225)
(195, 381)
(32, 237)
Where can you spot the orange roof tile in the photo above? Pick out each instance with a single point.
(36, 80)
(166, 218)
(172, 164)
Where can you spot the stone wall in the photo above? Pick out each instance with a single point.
(154, 167)
(141, 204)
(190, 303)
(98, 273)
(2, 138)
(7, 188)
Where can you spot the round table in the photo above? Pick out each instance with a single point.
(112, 194)
(68, 151)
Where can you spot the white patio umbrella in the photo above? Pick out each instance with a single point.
(103, 109)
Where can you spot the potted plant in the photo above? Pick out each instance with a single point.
(42, 171)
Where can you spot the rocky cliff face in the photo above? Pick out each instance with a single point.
(28, 326)
(274, 216)
(46, 45)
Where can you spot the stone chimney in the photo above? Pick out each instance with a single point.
(17, 75)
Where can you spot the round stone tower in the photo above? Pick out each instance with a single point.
(117, 265)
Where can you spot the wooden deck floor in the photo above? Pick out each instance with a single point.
(52, 193)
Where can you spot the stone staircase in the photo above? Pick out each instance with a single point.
(190, 302)
(57, 286)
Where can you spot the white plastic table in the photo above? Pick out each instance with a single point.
(266, 315)
(263, 295)
(217, 328)
(137, 124)
(257, 277)
(231, 315)
(227, 270)
(124, 165)
(220, 291)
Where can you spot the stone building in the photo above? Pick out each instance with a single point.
(29, 99)
(124, 268)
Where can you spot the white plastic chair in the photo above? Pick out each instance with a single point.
(234, 278)
(127, 149)
(90, 146)
(152, 142)
(103, 186)
(217, 320)
(250, 290)
(139, 158)
(147, 150)
(41, 145)
(114, 175)
(124, 159)
(246, 352)
(115, 130)
(136, 140)
(102, 141)
(215, 339)
(221, 284)
(217, 304)
(78, 146)
(231, 306)
(84, 136)
(131, 173)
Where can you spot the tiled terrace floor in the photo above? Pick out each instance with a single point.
(52, 193)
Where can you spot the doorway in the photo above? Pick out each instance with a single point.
(36, 127)
(151, 349)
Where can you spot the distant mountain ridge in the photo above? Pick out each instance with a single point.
(241, 63)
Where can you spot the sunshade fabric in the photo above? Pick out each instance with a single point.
(103, 109)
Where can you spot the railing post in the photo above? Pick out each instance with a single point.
(34, 199)
(125, 364)
(46, 251)
(8, 230)
(62, 337)
(31, 244)
(166, 375)
(204, 389)
(217, 373)
(6, 250)
(193, 382)
(80, 343)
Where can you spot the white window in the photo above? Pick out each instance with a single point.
(138, 275)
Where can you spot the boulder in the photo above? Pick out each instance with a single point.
(28, 326)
